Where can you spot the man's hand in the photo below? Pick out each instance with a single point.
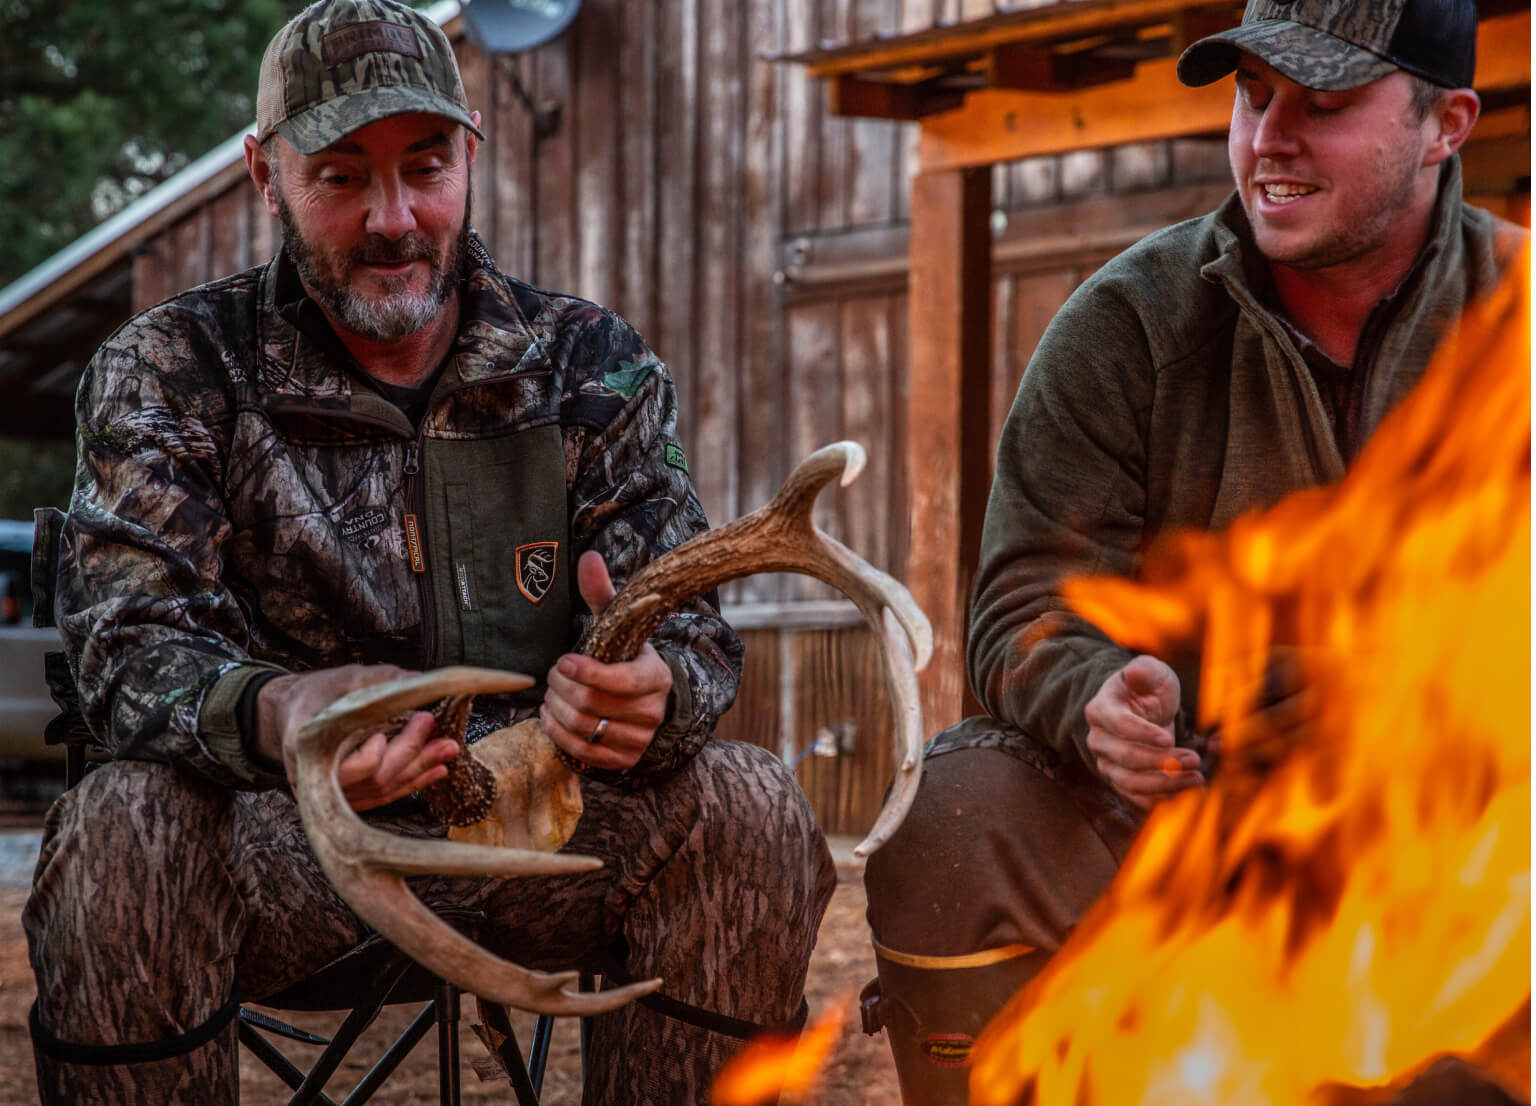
(632, 696)
(1130, 733)
(381, 769)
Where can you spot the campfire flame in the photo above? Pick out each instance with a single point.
(1335, 912)
(781, 1068)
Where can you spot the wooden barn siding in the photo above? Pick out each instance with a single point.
(681, 173)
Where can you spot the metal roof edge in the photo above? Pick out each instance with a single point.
(102, 237)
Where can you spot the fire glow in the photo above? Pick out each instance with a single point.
(1333, 914)
(786, 1069)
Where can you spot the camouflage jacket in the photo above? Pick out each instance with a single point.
(1167, 393)
(245, 503)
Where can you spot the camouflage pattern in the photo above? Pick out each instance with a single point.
(342, 64)
(159, 894)
(1323, 44)
(240, 507)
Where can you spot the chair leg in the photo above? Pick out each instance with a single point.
(586, 983)
(538, 1050)
(526, 1091)
(448, 1043)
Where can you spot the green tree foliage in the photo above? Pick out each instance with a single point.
(100, 100)
(34, 473)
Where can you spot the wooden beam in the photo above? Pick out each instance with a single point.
(998, 125)
(1027, 68)
(948, 416)
(848, 95)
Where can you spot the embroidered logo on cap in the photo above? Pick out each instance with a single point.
(349, 43)
(536, 563)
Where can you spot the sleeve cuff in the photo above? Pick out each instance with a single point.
(219, 725)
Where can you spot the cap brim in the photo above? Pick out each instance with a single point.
(1313, 58)
(320, 126)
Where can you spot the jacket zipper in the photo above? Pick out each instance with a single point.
(416, 503)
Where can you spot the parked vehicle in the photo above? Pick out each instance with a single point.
(25, 705)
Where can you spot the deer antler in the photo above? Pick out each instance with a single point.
(367, 865)
(782, 538)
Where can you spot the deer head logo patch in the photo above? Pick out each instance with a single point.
(536, 563)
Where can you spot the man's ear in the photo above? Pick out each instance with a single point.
(261, 169)
(471, 142)
(1450, 122)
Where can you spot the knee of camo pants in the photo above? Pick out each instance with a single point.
(726, 914)
(131, 927)
(729, 920)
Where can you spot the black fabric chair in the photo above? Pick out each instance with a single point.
(358, 985)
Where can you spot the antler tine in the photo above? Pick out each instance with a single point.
(367, 865)
(782, 538)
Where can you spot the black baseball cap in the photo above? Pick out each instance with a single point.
(1333, 45)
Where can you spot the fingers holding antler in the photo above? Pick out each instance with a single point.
(368, 866)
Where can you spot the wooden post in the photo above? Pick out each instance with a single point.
(948, 420)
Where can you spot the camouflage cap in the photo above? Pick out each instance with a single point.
(341, 64)
(1337, 44)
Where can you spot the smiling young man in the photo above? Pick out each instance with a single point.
(377, 452)
(1211, 369)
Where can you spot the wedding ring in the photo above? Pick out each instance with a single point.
(597, 734)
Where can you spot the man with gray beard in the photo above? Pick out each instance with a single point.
(378, 453)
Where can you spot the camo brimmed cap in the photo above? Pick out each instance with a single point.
(1333, 45)
(341, 64)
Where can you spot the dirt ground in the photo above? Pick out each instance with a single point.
(859, 1073)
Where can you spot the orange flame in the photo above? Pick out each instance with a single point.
(1347, 915)
(786, 1067)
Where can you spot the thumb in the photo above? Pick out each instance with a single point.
(593, 582)
(1153, 687)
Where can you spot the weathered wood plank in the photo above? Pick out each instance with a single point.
(801, 124)
(636, 291)
(595, 109)
(229, 246)
(866, 402)
(949, 392)
(812, 389)
(754, 717)
(189, 249)
(476, 70)
(760, 397)
(556, 215)
(513, 187)
(677, 71)
(718, 320)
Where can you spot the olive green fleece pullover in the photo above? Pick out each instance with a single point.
(1167, 394)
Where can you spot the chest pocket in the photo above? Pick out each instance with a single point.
(498, 550)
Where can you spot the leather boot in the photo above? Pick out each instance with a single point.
(933, 1008)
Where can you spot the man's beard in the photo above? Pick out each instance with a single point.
(392, 314)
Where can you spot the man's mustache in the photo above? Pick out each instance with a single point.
(377, 251)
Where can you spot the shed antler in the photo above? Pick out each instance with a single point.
(782, 538)
(368, 865)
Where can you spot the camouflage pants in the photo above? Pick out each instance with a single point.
(157, 897)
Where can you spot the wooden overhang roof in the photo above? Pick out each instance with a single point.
(1084, 74)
